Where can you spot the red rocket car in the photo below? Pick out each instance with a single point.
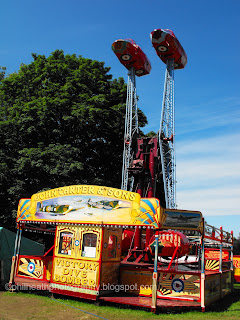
(167, 46)
(131, 55)
(168, 242)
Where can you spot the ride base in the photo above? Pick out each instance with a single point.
(101, 248)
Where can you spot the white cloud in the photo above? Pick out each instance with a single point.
(223, 145)
(208, 175)
(210, 114)
(207, 170)
(211, 202)
(224, 112)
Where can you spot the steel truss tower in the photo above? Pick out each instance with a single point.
(131, 129)
(166, 136)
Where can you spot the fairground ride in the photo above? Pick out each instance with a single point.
(104, 240)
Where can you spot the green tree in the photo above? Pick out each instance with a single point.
(61, 123)
(151, 134)
(236, 246)
(2, 72)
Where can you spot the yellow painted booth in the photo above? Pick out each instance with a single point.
(86, 223)
(85, 258)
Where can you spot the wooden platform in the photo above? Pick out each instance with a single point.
(146, 302)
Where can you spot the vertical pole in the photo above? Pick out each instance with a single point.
(202, 283)
(18, 247)
(231, 256)
(152, 178)
(203, 249)
(148, 238)
(14, 258)
(220, 262)
(154, 282)
(19, 242)
(220, 253)
(232, 276)
(137, 238)
(16, 253)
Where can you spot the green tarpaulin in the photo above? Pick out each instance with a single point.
(7, 243)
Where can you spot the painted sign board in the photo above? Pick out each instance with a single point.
(215, 254)
(236, 266)
(179, 285)
(89, 204)
(181, 219)
(76, 272)
(81, 204)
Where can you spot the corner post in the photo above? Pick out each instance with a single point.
(154, 280)
(15, 254)
(202, 280)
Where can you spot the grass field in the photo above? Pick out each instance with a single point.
(35, 307)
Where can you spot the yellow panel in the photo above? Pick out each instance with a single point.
(30, 267)
(75, 272)
(178, 285)
(49, 270)
(236, 264)
(76, 247)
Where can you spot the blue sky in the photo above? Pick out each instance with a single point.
(207, 96)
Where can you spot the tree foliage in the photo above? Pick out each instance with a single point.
(151, 134)
(236, 246)
(61, 123)
(2, 72)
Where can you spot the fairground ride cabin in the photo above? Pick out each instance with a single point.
(112, 245)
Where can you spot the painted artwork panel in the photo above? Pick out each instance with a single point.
(30, 267)
(82, 208)
(178, 285)
(177, 219)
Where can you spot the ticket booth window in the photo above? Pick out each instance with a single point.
(65, 243)
(89, 245)
(112, 246)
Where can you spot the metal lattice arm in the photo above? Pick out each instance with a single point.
(131, 126)
(167, 137)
